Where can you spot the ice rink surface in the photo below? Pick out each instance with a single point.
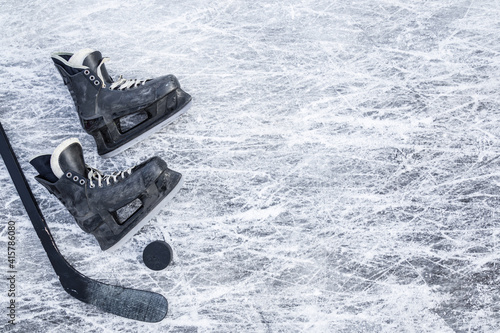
(341, 161)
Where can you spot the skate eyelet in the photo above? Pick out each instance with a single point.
(92, 186)
(75, 178)
(82, 182)
(96, 82)
(101, 186)
(86, 72)
(91, 77)
(69, 175)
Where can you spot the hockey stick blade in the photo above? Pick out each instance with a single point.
(125, 302)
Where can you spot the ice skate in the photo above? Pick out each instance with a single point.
(112, 207)
(118, 114)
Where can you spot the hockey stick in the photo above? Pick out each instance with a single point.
(129, 303)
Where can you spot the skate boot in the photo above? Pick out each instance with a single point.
(113, 207)
(118, 114)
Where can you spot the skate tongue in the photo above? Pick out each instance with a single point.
(77, 58)
(95, 62)
(68, 156)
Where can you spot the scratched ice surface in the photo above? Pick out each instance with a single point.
(340, 157)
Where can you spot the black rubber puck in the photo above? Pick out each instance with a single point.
(157, 255)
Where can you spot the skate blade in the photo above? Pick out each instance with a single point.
(148, 217)
(148, 133)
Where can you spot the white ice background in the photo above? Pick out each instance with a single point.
(341, 161)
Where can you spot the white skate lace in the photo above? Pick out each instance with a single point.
(122, 83)
(98, 176)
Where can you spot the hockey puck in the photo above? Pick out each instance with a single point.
(157, 255)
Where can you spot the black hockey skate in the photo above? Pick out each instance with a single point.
(113, 207)
(118, 114)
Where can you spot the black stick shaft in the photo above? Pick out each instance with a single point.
(29, 202)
